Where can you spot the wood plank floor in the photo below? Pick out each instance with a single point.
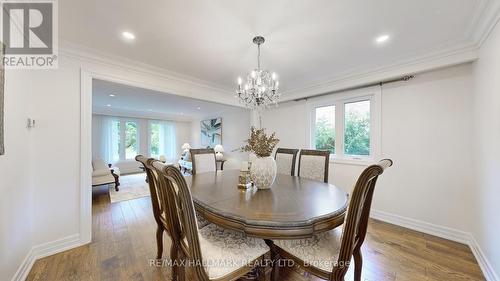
(124, 242)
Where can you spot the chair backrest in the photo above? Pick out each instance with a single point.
(184, 232)
(153, 182)
(313, 164)
(356, 222)
(203, 160)
(285, 160)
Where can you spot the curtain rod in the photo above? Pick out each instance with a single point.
(404, 78)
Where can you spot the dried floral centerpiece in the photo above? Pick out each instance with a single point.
(263, 168)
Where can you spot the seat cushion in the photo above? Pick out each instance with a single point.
(225, 251)
(320, 251)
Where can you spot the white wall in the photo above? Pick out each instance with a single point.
(41, 171)
(16, 199)
(425, 130)
(487, 148)
(235, 130)
(183, 134)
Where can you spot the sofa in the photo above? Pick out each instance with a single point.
(105, 174)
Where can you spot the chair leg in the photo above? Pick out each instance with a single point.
(181, 268)
(174, 258)
(358, 264)
(159, 242)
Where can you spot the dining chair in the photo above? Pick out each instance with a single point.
(285, 160)
(203, 160)
(328, 254)
(313, 164)
(159, 212)
(213, 252)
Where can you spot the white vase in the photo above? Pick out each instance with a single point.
(263, 172)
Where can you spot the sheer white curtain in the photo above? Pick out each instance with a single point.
(166, 141)
(110, 136)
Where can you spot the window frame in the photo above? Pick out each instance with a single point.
(339, 100)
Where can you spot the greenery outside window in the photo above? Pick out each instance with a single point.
(347, 125)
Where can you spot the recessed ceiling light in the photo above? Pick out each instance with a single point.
(198, 108)
(111, 95)
(150, 110)
(108, 105)
(382, 38)
(128, 35)
(182, 113)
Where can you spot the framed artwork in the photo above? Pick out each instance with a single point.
(2, 73)
(211, 132)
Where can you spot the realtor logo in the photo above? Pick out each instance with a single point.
(29, 33)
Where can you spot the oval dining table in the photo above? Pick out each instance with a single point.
(292, 208)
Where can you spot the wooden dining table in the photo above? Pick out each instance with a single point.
(292, 208)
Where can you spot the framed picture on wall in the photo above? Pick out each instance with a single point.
(211, 132)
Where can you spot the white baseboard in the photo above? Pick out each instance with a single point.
(443, 232)
(425, 227)
(44, 250)
(482, 260)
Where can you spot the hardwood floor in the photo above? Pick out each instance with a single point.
(124, 243)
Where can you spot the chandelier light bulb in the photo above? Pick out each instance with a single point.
(240, 81)
(274, 75)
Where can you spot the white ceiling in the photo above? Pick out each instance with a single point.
(307, 42)
(137, 102)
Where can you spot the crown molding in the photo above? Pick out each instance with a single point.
(463, 54)
(177, 84)
(483, 21)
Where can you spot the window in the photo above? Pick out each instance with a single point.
(347, 125)
(115, 139)
(131, 138)
(154, 150)
(357, 128)
(324, 134)
(162, 140)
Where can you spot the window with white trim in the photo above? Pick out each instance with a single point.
(347, 125)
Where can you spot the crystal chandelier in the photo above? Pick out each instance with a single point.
(260, 90)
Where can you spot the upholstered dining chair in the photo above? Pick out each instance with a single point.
(159, 212)
(285, 160)
(328, 255)
(313, 164)
(203, 160)
(213, 253)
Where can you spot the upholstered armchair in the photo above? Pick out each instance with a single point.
(104, 174)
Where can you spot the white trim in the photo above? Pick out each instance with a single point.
(425, 227)
(483, 21)
(443, 232)
(146, 76)
(86, 156)
(44, 250)
(482, 260)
